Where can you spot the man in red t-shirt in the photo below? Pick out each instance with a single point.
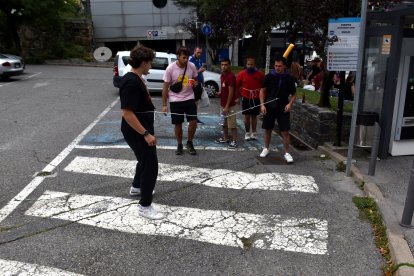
(228, 99)
(248, 84)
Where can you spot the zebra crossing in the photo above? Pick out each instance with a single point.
(221, 227)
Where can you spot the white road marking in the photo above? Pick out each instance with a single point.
(227, 228)
(29, 77)
(41, 84)
(19, 268)
(14, 202)
(219, 178)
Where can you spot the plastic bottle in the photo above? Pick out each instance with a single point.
(222, 118)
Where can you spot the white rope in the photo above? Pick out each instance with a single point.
(204, 116)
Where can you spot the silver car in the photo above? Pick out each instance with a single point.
(10, 66)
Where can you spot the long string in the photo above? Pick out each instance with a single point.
(204, 116)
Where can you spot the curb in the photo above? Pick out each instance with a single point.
(399, 249)
(84, 64)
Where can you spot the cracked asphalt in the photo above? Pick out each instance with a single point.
(227, 212)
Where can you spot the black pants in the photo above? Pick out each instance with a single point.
(146, 172)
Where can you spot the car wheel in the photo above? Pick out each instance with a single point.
(211, 88)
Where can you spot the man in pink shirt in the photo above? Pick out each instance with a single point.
(181, 102)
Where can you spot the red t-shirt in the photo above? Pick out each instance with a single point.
(249, 84)
(227, 79)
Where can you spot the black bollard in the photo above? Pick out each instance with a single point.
(407, 215)
(374, 149)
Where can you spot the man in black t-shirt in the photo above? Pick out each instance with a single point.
(138, 129)
(276, 98)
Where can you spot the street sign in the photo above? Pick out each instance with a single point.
(206, 29)
(343, 53)
(156, 34)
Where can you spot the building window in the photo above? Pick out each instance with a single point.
(159, 3)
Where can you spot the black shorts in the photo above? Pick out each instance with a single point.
(250, 106)
(188, 108)
(283, 120)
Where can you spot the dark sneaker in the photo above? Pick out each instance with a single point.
(190, 148)
(233, 145)
(179, 150)
(221, 141)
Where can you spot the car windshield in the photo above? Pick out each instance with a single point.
(159, 63)
(3, 56)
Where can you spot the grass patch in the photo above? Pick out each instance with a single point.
(312, 97)
(369, 211)
(361, 185)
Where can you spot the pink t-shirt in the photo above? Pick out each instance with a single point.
(173, 74)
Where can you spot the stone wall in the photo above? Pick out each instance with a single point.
(79, 32)
(35, 42)
(315, 125)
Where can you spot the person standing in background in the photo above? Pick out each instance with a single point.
(181, 102)
(228, 100)
(248, 84)
(198, 89)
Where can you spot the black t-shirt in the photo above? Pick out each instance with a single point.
(279, 86)
(134, 96)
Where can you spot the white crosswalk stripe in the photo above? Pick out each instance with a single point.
(271, 232)
(8, 267)
(218, 178)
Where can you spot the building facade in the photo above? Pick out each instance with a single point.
(120, 24)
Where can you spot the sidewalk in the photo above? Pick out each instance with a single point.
(389, 189)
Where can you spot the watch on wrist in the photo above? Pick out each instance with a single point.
(146, 132)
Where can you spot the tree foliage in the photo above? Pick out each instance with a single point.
(231, 19)
(47, 14)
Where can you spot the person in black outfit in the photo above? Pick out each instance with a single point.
(138, 129)
(349, 87)
(276, 99)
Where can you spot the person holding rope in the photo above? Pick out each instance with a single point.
(248, 84)
(276, 99)
(138, 129)
(228, 101)
(181, 99)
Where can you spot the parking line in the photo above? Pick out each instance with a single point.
(29, 77)
(15, 201)
(220, 227)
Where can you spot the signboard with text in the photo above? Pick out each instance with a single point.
(156, 34)
(343, 53)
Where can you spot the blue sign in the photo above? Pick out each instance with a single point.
(206, 29)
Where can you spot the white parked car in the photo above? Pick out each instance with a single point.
(155, 77)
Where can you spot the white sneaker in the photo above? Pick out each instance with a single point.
(253, 136)
(265, 152)
(136, 191)
(149, 212)
(288, 158)
(247, 136)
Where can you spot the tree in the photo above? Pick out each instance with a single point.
(47, 14)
